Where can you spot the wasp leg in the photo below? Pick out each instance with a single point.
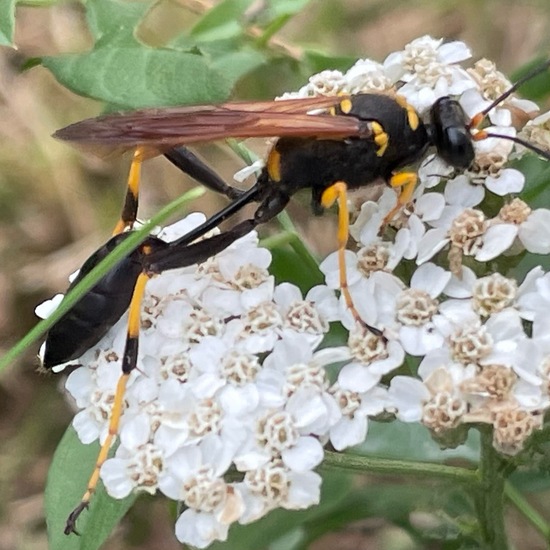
(179, 253)
(190, 164)
(338, 192)
(129, 362)
(247, 197)
(129, 210)
(407, 182)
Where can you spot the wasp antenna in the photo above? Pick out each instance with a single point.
(541, 152)
(531, 74)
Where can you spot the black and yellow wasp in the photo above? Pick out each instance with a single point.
(325, 144)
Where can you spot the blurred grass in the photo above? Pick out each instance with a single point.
(57, 205)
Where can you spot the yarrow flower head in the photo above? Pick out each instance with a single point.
(228, 376)
(466, 329)
(232, 374)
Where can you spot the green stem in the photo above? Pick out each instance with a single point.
(517, 499)
(96, 274)
(293, 239)
(239, 148)
(272, 29)
(297, 242)
(363, 464)
(489, 496)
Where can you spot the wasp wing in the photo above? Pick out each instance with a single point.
(161, 129)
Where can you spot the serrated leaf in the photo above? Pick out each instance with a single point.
(140, 77)
(7, 22)
(222, 21)
(71, 467)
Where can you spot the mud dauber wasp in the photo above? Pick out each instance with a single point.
(351, 143)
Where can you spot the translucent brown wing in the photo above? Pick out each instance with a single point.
(161, 129)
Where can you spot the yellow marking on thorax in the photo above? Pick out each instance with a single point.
(412, 115)
(381, 138)
(346, 106)
(274, 164)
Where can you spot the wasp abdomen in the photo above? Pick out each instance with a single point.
(97, 311)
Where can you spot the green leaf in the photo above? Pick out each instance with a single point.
(530, 481)
(406, 441)
(69, 472)
(7, 22)
(538, 87)
(287, 265)
(286, 8)
(318, 61)
(123, 72)
(234, 65)
(114, 21)
(537, 180)
(222, 21)
(395, 502)
(134, 77)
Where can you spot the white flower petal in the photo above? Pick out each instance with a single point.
(534, 233)
(304, 456)
(115, 477)
(420, 340)
(459, 191)
(45, 309)
(430, 278)
(461, 288)
(199, 529)
(304, 490)
(357, 377)
(407, 396)
(349, 432)
(509, 181)
(496, 240)
(431, 243)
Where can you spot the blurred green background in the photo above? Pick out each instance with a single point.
(57, 205)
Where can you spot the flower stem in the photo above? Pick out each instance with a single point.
(489, 494)
(517, 499)
(355, 463)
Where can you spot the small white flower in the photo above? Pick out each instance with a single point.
(355, 406)
(416, 308)
(138, 462)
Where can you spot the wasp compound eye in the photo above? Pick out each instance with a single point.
(450, 133)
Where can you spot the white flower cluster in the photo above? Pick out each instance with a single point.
(482, 341)
(230, 379)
